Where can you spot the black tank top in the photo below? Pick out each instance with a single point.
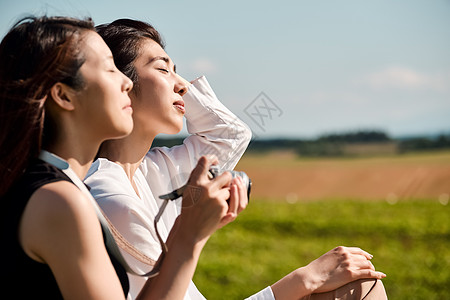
(21, 276)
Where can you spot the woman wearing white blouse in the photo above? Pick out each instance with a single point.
(127, 178)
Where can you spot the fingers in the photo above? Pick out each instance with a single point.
(365, 269)
(362, 264)
(238, 196)
(356, 257)
(340, 266)
(231, 214)
(359, 262)
(222, 187)
(227, 219)
(243, 196)
(203, 165)
(234, 198)
(368, 273)
(223, 180)
(356, 250)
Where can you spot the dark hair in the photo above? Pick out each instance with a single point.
(124, 37)
(34, 55)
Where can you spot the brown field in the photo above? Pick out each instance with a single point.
(283, 175)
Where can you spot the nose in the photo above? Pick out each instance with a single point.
(181, 85)
(127, 84)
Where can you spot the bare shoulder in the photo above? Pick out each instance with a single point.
(57, 214)
(60, 200)
(60, 228)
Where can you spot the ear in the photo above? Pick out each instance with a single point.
(63, 96)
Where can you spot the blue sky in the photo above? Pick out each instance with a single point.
(300, 68)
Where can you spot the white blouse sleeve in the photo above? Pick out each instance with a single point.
(213, 129)
(265, 294)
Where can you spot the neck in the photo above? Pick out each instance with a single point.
(127, 152)
(79, 157)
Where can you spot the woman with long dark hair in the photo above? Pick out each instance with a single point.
(61, 96)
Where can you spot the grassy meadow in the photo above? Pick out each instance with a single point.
(410, 242)
(409, 239)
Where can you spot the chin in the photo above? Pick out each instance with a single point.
(125, 133)
(177, 126)
(128, 128)
(173, 130)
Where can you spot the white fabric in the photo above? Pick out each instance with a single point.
(214, 130)
(265, 294)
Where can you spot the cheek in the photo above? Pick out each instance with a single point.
(92, 101)
(154, 84)
(153, 99)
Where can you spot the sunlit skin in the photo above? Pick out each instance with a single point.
(158, 107)
(100, 110)
(74, 249)
(102, 92)
(157, 104)
(157, 99)
(59, 226)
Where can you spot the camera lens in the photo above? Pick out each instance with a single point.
(245, 178)
(215, 171)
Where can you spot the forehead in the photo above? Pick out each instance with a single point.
(93, 47)
(150, 49)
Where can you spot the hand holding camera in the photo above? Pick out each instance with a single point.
(213, 172)
(211, 199)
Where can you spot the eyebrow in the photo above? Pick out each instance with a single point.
(163, 58)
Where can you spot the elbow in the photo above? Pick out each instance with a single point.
(246, 134)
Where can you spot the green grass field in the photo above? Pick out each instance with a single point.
(410, 241)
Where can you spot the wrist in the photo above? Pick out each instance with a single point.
(184, 237)
(293, 286)
(305, 280)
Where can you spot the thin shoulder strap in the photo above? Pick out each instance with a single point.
(113, 238)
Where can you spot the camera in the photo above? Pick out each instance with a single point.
(215, 171)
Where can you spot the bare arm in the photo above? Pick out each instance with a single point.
(335, 268)
(59, 227)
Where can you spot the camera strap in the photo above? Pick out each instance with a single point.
(113, 238)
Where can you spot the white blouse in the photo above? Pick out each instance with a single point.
(213, 129)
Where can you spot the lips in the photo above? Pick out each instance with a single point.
(128, 107)
(179, 105)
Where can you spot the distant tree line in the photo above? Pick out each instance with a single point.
(325, 145)
(370, 136)
(334, 144)
(423, 143)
